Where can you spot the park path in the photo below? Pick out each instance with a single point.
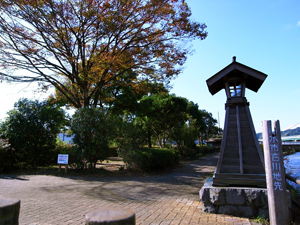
(169, 198)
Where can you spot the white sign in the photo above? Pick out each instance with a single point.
(62, 159)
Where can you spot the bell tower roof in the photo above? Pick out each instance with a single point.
(236, 71)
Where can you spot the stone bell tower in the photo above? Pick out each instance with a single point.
(241, 160)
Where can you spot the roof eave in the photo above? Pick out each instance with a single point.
(216, 83)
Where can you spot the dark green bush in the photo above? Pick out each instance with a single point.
(195, 152)
(204, 150)
(151, 159)
(289, 150)
(187, 152)
(7, 157)
(90, 127)
(113, 152)
(31, 129)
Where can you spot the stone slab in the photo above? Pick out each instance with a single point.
(237, 201)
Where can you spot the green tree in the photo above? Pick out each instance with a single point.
(127, 98)
(211, 128)
(200, 126)
(130, 135)
(197, 120)
(83, 47)
(187, 133)
(91, 127)
(159, 113)
(32, 128)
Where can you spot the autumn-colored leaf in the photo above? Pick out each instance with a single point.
(86, 49)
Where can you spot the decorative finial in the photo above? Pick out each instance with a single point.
(234, 59)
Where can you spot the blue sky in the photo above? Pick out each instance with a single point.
(262, 34)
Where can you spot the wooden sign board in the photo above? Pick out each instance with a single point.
(275, 174)
(62, 159)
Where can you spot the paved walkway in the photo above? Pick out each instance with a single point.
(171, 198)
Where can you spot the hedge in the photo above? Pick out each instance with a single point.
(151, 159)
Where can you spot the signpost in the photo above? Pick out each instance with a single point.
(63, 159)
(275, 174)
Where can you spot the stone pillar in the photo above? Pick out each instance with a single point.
(110, 215)
(9, 211)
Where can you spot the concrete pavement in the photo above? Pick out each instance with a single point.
(170, 198)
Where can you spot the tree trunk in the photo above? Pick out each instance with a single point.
(149, 141)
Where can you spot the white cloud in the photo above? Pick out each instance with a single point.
(298, 24)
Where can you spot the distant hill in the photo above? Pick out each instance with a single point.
(285, 133)
(291, 132)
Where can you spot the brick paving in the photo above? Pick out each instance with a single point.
(167, 199)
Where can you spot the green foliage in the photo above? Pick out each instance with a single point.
(187, 152)
(295, 194)
(7, 156)
(151, 159)
(32, 128)
(211, 130)
(193, 152)
(261, 220)
(289, 150)
(185, 137)
(130, 136)
(204, 150)
(162, 117)
(113, 151)
(127, 98)
(159, 113)
(91, 129)
(85, 48)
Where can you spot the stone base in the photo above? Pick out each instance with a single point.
(237, 201)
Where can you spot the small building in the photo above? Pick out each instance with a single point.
(214, 142)
(65, 138)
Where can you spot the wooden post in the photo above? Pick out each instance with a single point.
(275, 174)
(9, 211)
(66, 168)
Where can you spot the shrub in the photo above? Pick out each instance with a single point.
(7, 156)
(90, 127)
(195, 152)
(187, 152)
(151, 159)
(204, 150)
(31, 128)
(130, 136)
(113, 151)
(289, 150)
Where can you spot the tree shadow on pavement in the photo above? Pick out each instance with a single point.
(13, 177)
(185, 180)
